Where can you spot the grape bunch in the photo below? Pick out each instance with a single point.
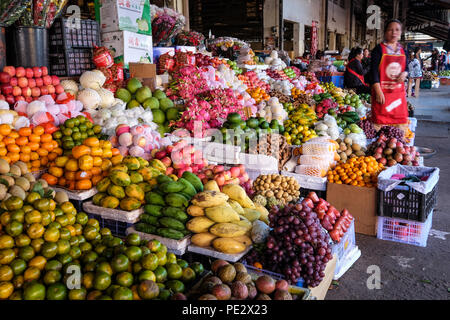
(297, 246)
(392, 132)
(368, 129)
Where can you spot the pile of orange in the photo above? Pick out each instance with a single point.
(85, 167)
(30, 145)
(361, 172)
(258, 94)
(296, 92)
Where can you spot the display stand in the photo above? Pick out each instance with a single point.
(176, 246)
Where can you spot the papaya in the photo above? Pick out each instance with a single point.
(251, 214)
(221, 214)
(227, 230)
(130, 204)
(146, 228)
(176, 200)
(175, 213)
(120, 178)
(157, 164)
(102, 185)
(136, 177)
(203, 239)
(149, 173)
(188, 187)
(146, 218)
(134, 191)
(131, 162)
(163, 178)
(194, 180)
(212, 185)
(154, 198)
(146, 187)
(142, 161)
(208, 199)
(195, 211)
(116, 191)
(199, 224)
(227, 245)
(120, 167)
(171, 223)
(98, 198)
(171, 187)
(153, 210)
(170, 233)
(110, 202)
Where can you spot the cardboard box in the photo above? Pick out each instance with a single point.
(129, 46)
(321, 290)
(126, 15)
(361, 202)
(146, 72)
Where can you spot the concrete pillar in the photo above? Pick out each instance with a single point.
(300, 48)
(332, 41)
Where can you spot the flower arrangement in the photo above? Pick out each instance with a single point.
(190, 38)
(41, 13)
(166, 24)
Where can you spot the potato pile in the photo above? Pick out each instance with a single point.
(348, 149)
(284, 189)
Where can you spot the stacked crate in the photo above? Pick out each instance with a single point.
(71, 45)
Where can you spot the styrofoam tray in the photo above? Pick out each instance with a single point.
(308, 182)
(258, 161)
(176, 246)
(347, 263)
(78, 194)
(113, 214)
(218, 255)
(413, 124)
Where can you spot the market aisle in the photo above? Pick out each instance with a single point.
(408, 272)
(433, 104)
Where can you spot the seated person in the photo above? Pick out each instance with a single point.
(355, 72)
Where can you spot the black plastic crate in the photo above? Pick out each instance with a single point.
(321, 194)
(406, 203)
(118, 228)
(65, 35)
(71, 62)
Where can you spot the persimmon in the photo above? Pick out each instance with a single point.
(51, 180)
(25, 131)
(38, 130)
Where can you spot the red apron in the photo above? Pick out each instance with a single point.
(353, 72)
(395, 109)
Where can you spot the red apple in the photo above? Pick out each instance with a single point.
(51, 89)
(169, 171)
(29, 73)
(44, 70)
(29, 99)
(6, 89)
(10, 70)
(31, 83)
(37, 72)
(166, 161)
(39, 82)
(22, 82)
(26, 92)
(235, 172)
(209, 173)
(246, 177)
(202, 176)
(5, 77)
(59, 89)
(44, 90)
(20, 72)
(178, 165)
(241, 180)
(227, 175)
(160, 154)
(220, 179)
(55, 80)
(10, 99)
(13, 81)
(169, 149)
(16, 91)
(20, 98)
(47, 80)
(218, 169)
(242, 168)
(35, 92)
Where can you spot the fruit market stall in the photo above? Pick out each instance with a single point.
(243, 164)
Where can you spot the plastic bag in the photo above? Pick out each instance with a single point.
(359, 138)
(330, 121)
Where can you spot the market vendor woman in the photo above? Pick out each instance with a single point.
(355, 72)
(388, 74)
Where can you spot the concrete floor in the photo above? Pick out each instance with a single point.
(410, 272)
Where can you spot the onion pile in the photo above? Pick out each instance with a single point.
(368, 129)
